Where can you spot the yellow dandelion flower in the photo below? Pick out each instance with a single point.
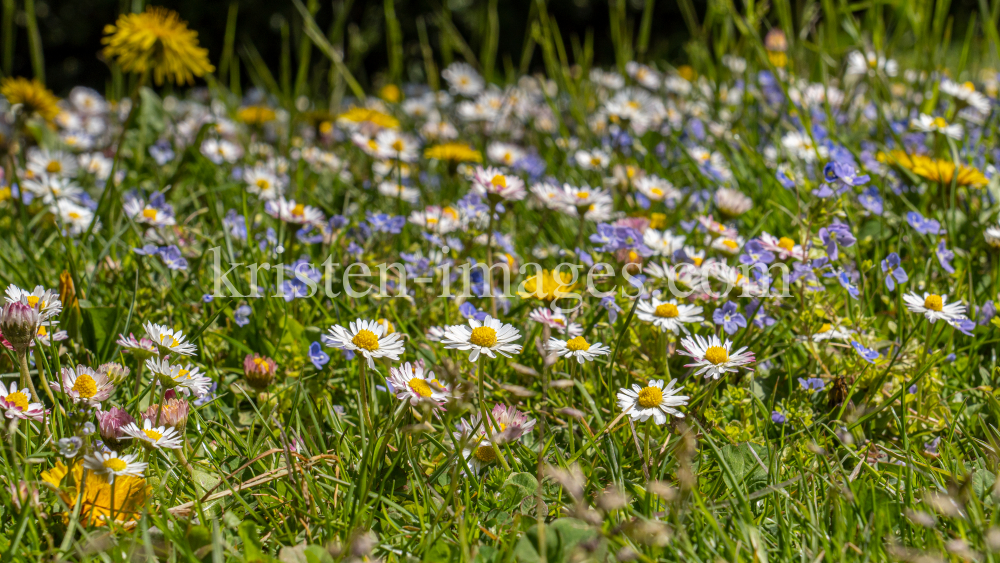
(553, 285)
(33, 96)
(935, 169)
(453, 152)
(256, 115)
(130, 494)
(361, 116)
(391, 93)
(158, 40)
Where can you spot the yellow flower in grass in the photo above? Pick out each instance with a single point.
(256, 115)
(453, 152)
(33, 96)
(130, 494)
(548, 285)
(156, 40)
(935, 169)
(356, 117)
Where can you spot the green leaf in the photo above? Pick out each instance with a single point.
(98, 328)
(252, 550)
(524, 484)
(561, 540)
(744, 465)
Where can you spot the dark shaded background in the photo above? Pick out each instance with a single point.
(71, 32)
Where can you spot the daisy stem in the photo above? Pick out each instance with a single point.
(137, 385)
(111, 509)
(489, 263)
(363, 374)
(22, 361)
(159, 408)
(487, 417)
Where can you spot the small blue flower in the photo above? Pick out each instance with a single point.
(868, 354)
(945, 257)
(812, 384)
(729, 318)
(347, 354)
(241, 316)
(922, 225)
(871, 200)
(843, 173)
(755, 253)
(894, 273)
(778, 418)
(317, 356)
(835, 235)
(785, 181)
(207, 298)
(608, 302)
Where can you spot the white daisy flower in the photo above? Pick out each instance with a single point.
(478, 453)
(992, 236)
(84, 385)
(662, 243)
(929, 124)
(654, 401)
(437, 219)
(577, 348)
(398, 190)
(162, 437)
(410, 383)
(592, 160)
(484, 337)
(45, 301)
(784, 247)
(42, 162)
(172, 376)
(556, 320)
(263, 182)
(870, 64)
(504, 154)
(656, 188)
(391, 144)
(732, 202)
(463, 79)
(170, 340)
(832, 332)
(713, 358)
(966, 92)
(368, 338)
(493, 183)
(16, 403)
(669, 315)
(290, 212)
(934, 307)
(112, 464)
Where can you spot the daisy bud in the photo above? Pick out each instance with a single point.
(19, 324)
(258, 371)
(115, 372)
(111, 423)
(175, 412)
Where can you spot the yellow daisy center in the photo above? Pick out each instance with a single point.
(372, 145)
(595, 161)
(299, 210)
(420, 387)
(153, 435)
(650, 397)
(656, 192)
(18, 399)
(115, 464)
(485, 454)
(940, 123)
(825, 328)
(577, 344)
(263, 184)
(397, 145)
(85, 386)
(74, 215)
(697, 260)
(53, 167)
(786, 243)
(934, 303)
(149, 213)
(583, 195)
(716, 355)
(499, 181)
(366, 340)
(667, 311)
(730, 243)
(32, 300)
(42, 331)
(484, 336)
